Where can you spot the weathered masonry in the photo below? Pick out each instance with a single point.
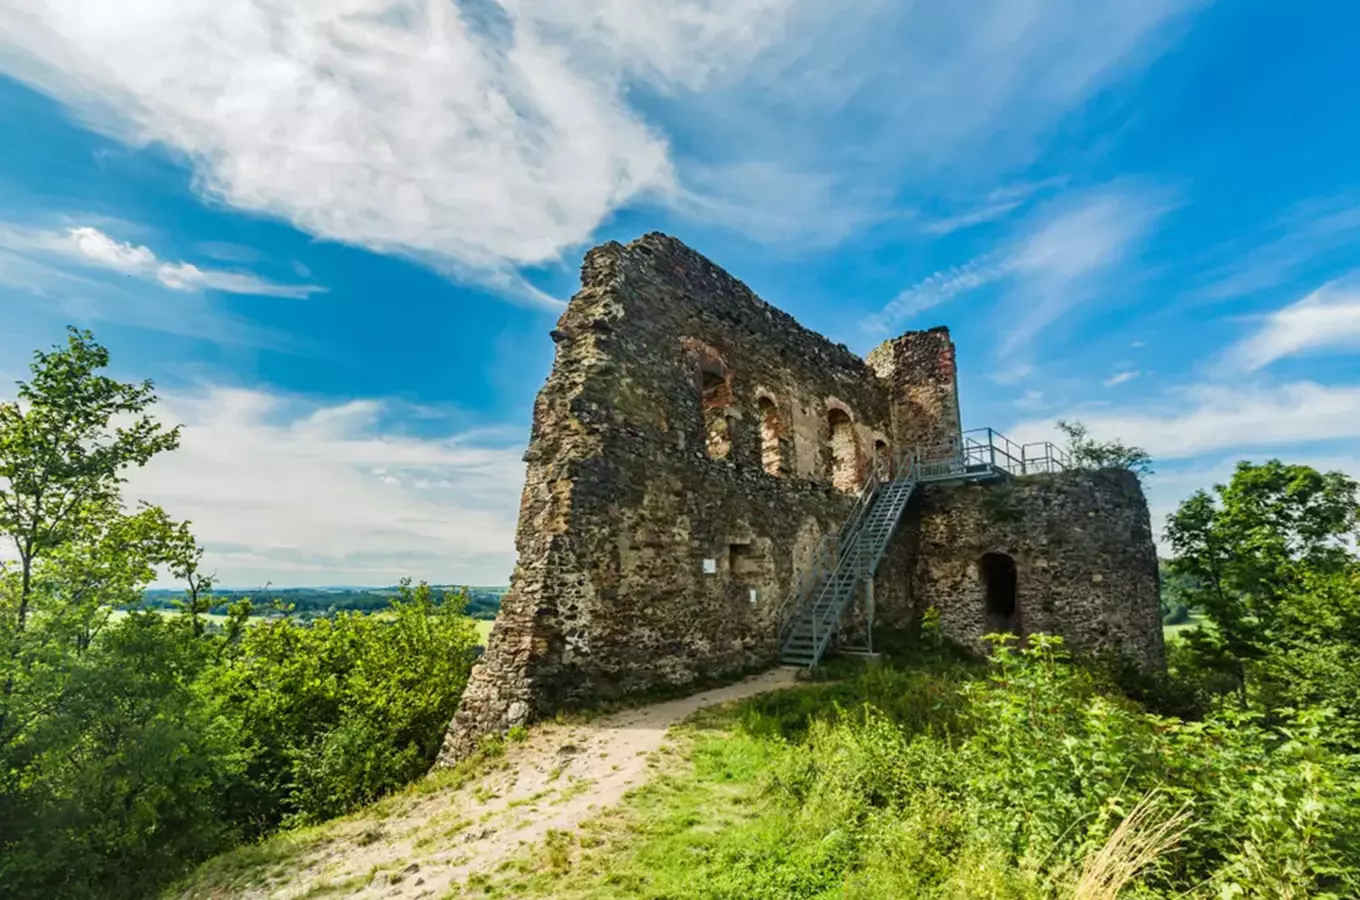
(712, 487)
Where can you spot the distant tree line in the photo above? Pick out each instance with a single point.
(309, 603)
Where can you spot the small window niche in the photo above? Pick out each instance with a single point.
(716, 391)
(710, 567)
(771, 434)
(743, 562)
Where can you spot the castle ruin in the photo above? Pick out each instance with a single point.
(712, 487)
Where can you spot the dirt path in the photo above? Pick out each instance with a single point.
(559, 777)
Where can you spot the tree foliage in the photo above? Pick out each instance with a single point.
(1088, 453)
(133, 745)
(1260, 554)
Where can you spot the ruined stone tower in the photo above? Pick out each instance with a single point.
(689, 451)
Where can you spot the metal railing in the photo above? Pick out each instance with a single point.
(827, 556)
(986, 446)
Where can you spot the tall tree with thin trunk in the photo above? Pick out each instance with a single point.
(66, 443)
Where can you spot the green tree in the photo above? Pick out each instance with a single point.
(337, 712)
(103, 753)
(1088, 453)
(64, 447)
(1252, 551)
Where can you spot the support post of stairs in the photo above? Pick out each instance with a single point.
(869, 610)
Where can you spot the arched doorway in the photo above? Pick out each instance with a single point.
(999, 584)
(845, 474)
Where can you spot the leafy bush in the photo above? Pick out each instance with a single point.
(334, 714)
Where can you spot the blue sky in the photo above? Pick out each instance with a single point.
(336, 235)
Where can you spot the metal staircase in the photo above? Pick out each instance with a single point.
(862, 544)
(844, 564)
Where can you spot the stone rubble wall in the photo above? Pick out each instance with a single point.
(624, 506)
(1085, 561)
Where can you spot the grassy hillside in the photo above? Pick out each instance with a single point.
(933, 776)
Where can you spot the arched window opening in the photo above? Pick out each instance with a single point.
(845, 473)
(882, 459)
(717, 398)
(999, 593)
(771, 431)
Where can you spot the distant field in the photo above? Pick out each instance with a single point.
(1173, 630)
(484, 629)
(207, 617)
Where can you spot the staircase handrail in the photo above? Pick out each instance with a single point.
(830, 551)
(809, 578)
(850, 553)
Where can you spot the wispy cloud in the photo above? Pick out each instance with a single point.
(1307, 235)
(87, 246)
(1058, 258)
(1326, 319)
(483, 137)
(936, 289)
(976, 216)
(1122, 377)
(998, 203)
(284, 491)
(1069, 254)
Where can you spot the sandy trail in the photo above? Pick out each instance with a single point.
(556, 779)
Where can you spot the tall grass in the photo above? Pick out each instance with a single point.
(1144, 836)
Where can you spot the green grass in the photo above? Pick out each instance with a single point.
(694, 829)
(1170, 631)
(484, 629)
(657, 842)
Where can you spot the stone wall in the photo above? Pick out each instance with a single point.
(680, 473)
(1085, 566)
(920, 371)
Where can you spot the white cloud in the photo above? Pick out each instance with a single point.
(100, 248)
(489, 135)
(1121, 377)
(1327, 319)
(293, 494)
(1216, 418)
(1069, 255)
(968, 219)
(87, 245)
(998, 203)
